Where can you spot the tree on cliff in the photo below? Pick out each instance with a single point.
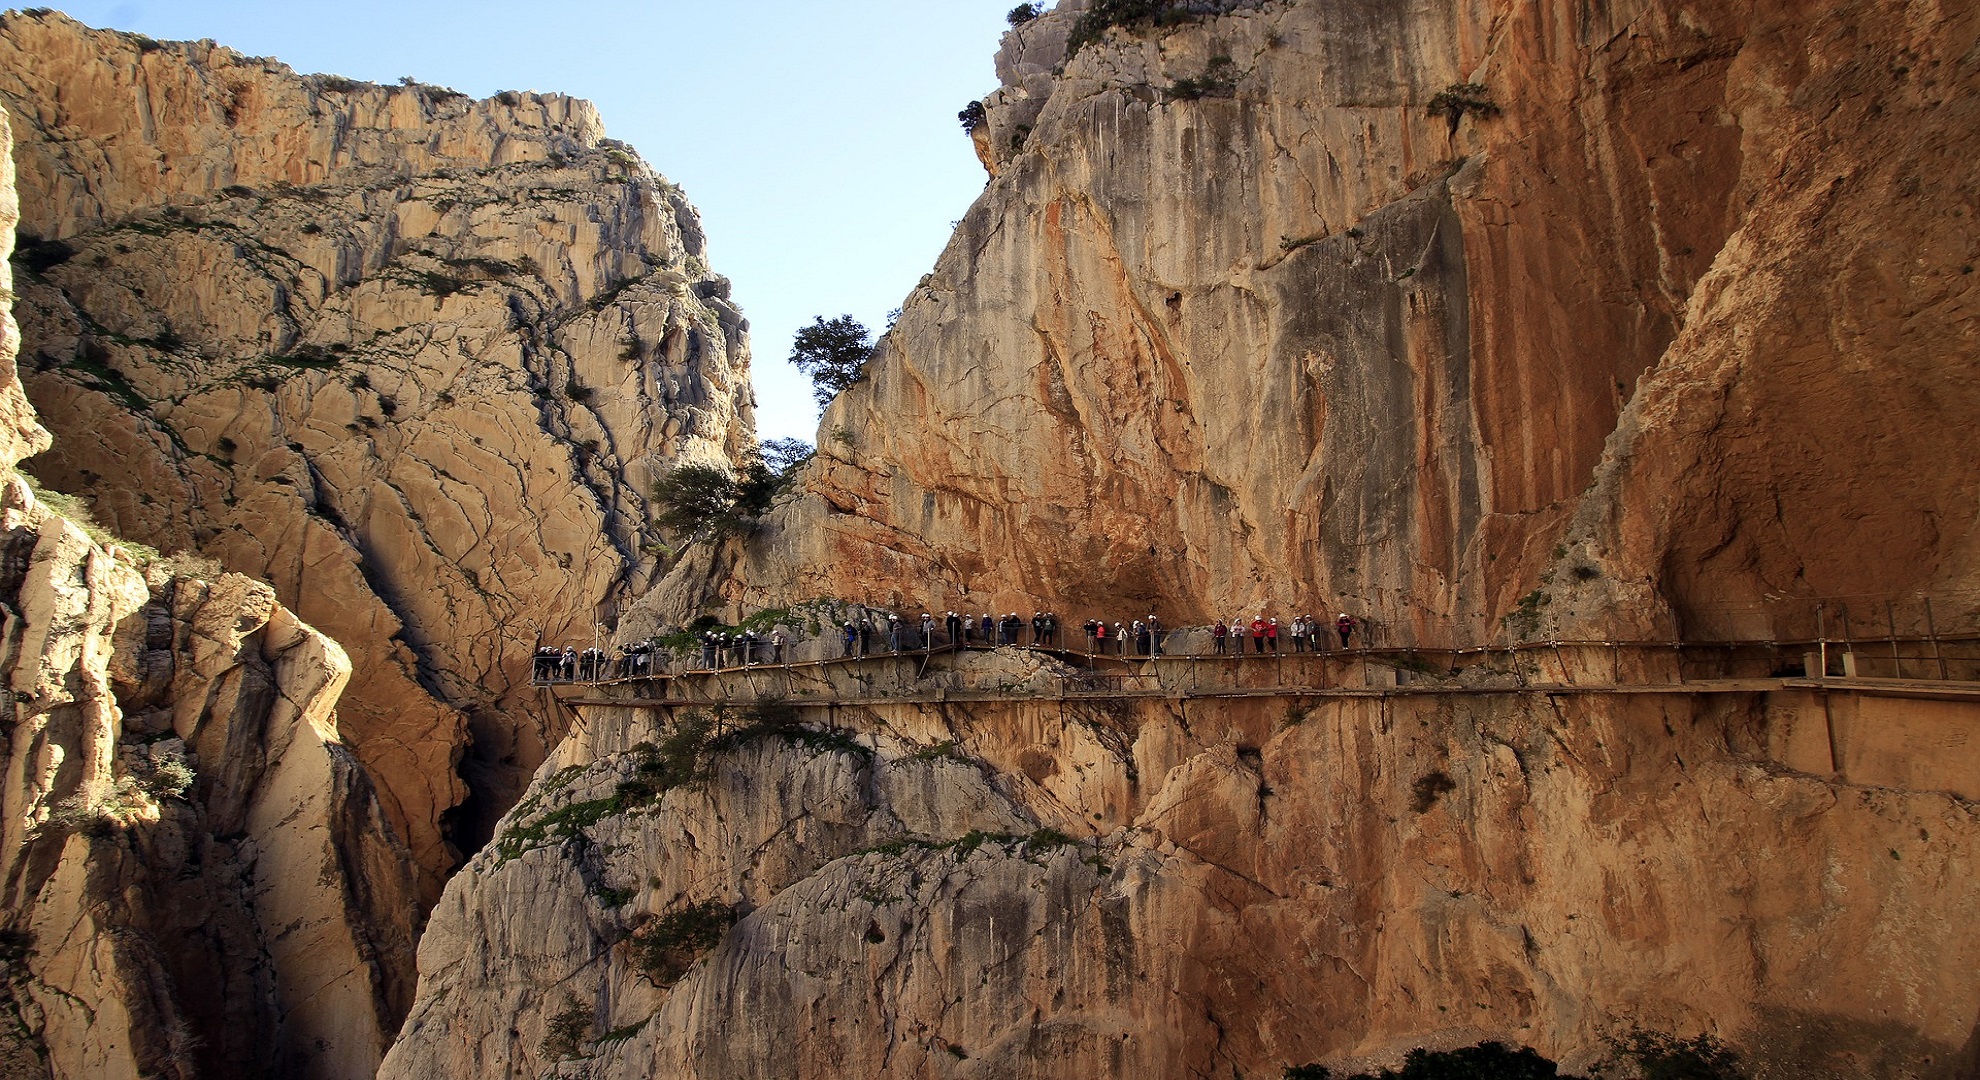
(833, 353)
(699, 500)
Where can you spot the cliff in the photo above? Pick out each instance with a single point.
(1610, 318)
(1202, 887)
(196, 876)
(1413, 310)
(413, 359)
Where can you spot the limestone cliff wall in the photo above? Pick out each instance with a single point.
(1238, 320)
(196, 876)
(1234, 887)
(413, 359)
(258, 921)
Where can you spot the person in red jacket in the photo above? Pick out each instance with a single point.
(1219, 635)
(1272, 634)
(1258, 632)
(1345, 624)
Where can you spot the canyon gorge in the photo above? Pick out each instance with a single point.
(1615, 339)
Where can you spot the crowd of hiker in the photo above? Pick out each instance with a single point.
(872, 635)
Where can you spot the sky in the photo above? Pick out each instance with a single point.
(818, 138)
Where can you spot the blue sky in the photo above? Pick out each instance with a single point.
(818, 137)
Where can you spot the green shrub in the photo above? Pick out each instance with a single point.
(169, 778)
(1023, 13)
(71, 507)
(564, 1032)
(436, 95)
(1048, 839)
(1457, 100)
(971, 117)
(665, 948)
(1485, 1061)
(1665, 1057)
(1524, 619)
(699, 500)
(677, 761)
(834, 353)
(704, 501)
(1219, 79)
(435, 284)
(1104, 15)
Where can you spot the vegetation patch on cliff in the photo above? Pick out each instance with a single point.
(1219, 79)
(701, 501)
(1036, 842)
(565, 1030)
(1647, 1055)
(667, 946)
(1104, 15)
(1460, 100)
(682, 758)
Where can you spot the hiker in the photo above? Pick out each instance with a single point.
(1219, 636)
(1345, 624)
(1154, 636)
(927, 631)
(1258, 633)
(1272, 635)
(1096, 634)
(851, 634)
(777, 646)
(953, 623)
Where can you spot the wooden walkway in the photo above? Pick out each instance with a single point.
(1354, 673)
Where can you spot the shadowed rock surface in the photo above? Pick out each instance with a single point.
(197, 878)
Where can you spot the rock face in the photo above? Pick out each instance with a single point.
(1238, 319)
(196, 876)
(1657, 306)
(413, 359)
(1229, 888)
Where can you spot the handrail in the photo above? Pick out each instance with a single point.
(1898, 649)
